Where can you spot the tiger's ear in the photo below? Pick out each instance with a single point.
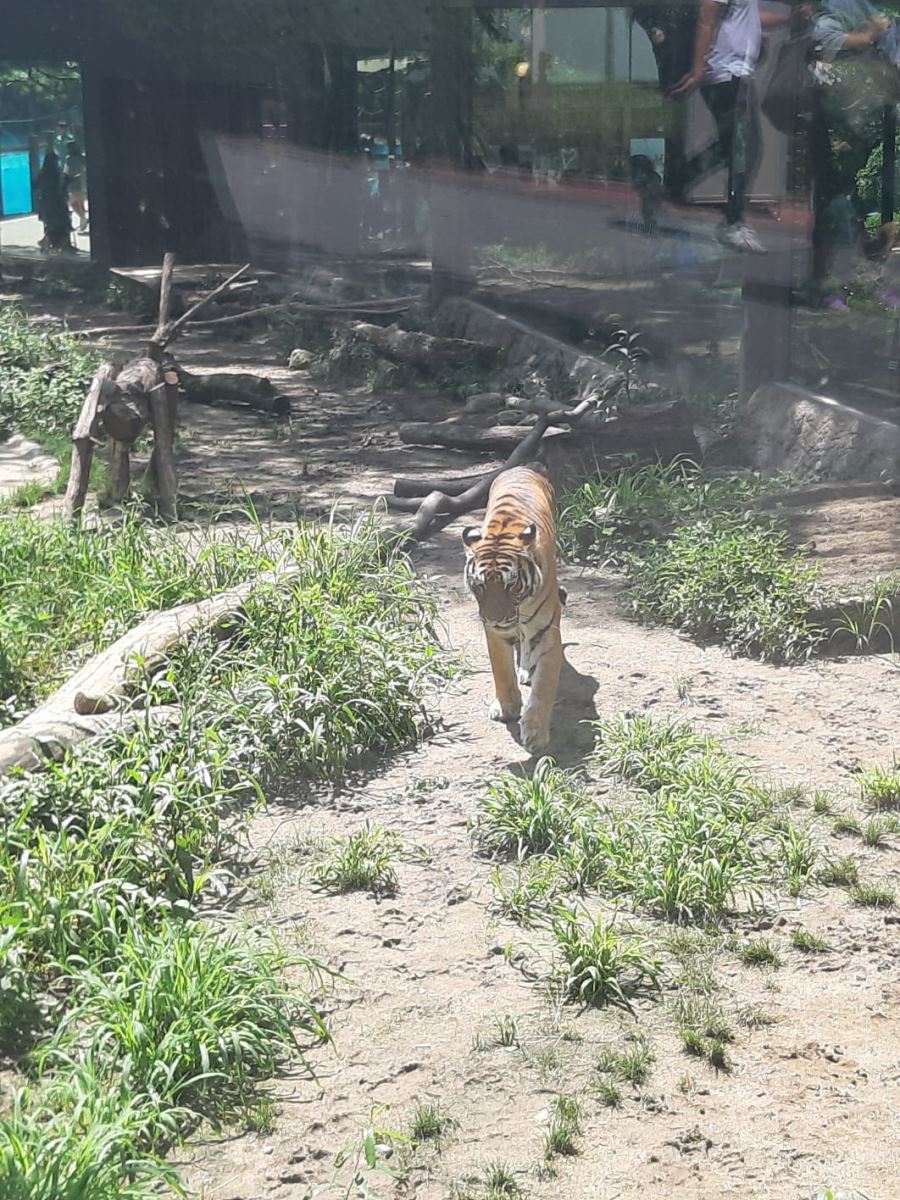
(528, 534)
(470, 535)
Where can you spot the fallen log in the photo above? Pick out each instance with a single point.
(103, 684)
(656, 430)
(250, 391)
(406, 488)
(420, 350)
(47, 734)
(450, 435)
(438, 510)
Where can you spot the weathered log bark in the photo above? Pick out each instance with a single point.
(159, 339)
(438, 510)
(421, 350)
(653, 430)
(251, 391)
(496, 439)
(100, 684)
(163, 410)
(49, 732)
(406, 488)
(84, 435)
(119, 470)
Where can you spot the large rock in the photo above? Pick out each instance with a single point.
(786, 429)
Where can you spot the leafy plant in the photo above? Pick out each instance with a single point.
(362, 862)
(880, 788)
(565, 1126)
(600, 966)
(735, 581)
(873, 895)
(759, 953)
(522, 815)
(632, 1062)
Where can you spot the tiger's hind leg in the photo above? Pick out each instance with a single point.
(508, 702)
(546, 661)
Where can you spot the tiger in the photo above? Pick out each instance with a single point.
(511, 571)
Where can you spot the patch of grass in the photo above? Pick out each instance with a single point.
(875, 832)
(839, 872)
(846, 825)
(44, 375)
(736, 582)
(821, 804)
(80, 1141)
(499, 1182)
(609, 517)
(880, 788)
(523, 815)
(759, 953)
(873, 895)
(507, 1031)
(704, 1030)
(600, 965)
(430, 1123)
(632, 1062)
(565, 1126)
(799, 857)
(190, 1015)
(808, 943)
(646, 752)
(362, 862)
(608, 1093)
(754, 1017)
(525, 892)
(259, 1115)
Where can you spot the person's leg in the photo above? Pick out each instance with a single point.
(745, 153)
(722, 101)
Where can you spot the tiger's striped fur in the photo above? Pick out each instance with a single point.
(511, 571)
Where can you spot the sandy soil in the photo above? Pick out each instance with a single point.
(811, 1101)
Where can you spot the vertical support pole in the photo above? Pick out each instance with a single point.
(450, 142)
(95, 156)
(888, 162)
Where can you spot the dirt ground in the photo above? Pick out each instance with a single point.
(812, 1100)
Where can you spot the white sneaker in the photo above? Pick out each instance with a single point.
(741, 238)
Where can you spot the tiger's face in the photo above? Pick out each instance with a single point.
(500, 574)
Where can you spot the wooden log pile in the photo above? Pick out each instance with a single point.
(570, 442)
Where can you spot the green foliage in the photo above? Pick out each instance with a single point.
(523, 815)
(695, 559)
(362, 862)
(880, 788)
(759, 953)
(599, 964)
(189, 1015)
(632, 1061)
(67, 592)
(565, 1126)
(158, 1018)
(44, 374)
(608, 518)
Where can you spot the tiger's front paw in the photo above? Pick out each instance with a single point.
(534, 733)
(505, 712)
